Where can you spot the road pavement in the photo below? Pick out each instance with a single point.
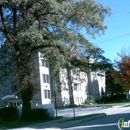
(109, 122)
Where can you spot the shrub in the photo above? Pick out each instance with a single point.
(8, 114)
(112, 98)
(37, 114)
(73, 105)
(90, 99)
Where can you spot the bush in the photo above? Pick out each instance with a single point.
(90, 99)
(8, 114)
(37, 114)
(113, 98)
(73, 105)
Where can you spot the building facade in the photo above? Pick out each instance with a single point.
(46, 91)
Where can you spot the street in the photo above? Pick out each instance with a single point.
(109, 122)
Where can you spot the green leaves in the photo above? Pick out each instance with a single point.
(30, 36)
(54, 28)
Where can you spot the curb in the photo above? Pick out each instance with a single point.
(94, 117)
(125, 105)
(83, 120)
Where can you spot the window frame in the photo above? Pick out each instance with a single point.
(46, 94)
(45, 78)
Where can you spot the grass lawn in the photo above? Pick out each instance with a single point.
(81, 117)
(18, 123)
(106, 104)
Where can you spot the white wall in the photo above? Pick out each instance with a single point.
(44, 86)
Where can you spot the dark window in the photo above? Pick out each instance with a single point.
(75, 86)
(47, 94)
(14, 104)
(46, 78)
(18, 104)
(45, 63)
(15, 88)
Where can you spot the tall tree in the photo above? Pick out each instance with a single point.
(112, 85)
(122, 73)
(50, 26)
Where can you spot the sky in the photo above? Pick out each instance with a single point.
(117, 35)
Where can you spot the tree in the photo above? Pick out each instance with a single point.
(122, 73)
(49, 26)
(112, 85)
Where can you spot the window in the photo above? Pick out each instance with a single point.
(15, 88)
(15, 103)
(46, 78)
(44, 63)
(77, 100)
(75, 86)
(18, 104)
(80, 88)
(81, 99)
(47, 94)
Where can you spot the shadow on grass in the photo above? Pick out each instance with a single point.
(19, 123)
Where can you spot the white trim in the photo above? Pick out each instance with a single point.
(9, 97)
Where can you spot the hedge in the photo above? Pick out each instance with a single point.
(8, 114)
(37, 114)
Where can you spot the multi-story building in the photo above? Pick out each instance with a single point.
(46, 91)
(79, 87)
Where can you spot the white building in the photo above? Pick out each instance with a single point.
(45, 89)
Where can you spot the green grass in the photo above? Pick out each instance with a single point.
(18, 123)
(106, 104)
(81, 117)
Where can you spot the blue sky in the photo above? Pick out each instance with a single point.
(118, 29)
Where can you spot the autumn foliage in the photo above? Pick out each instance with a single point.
(122, 73)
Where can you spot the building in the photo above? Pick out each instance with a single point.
(46, 91)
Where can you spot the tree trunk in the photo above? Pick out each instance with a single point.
(71, 98)
(26, 95)
(24, 63)
(90, 89)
